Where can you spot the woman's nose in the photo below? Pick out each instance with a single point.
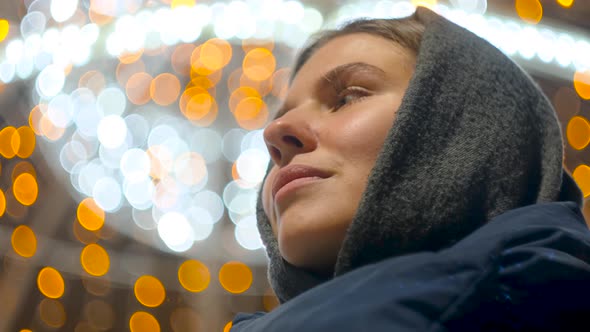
(289, 136)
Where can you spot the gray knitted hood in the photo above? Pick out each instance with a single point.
(474, 137)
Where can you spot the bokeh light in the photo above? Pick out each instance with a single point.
(578, 132)
(235, 277)
(24, 241)
(149, 291)
(565, 3)
(50, 283)
(164, 89)
(530, 11)
(27, 141)
(142, 321)
(90, 215)
(95, 260)
(2, 203)
(581, 175)
(194, 276)
(138, 88)
(4, 29)
(6, 142)
(259, 64)
(228, 326)
(25, 189)
(582, 83)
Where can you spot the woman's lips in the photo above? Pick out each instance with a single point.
(292, 177)
(292, 186)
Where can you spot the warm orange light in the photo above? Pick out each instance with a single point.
(251, 113)
(233, 80)
(26, 142)
(23, 167)
(160, 161)
(215, 54)
(582, 176)
(197, 65)
(6, 145)
(178, 3)
(250, 44)
(24, 241)
(259, 64)
(578, 132)
(529, 10)
(199, 106)
(194, 276)
(164, 89)
(50, 283)
(202, 82)
(130, 57)
(582, 83)
(82, 234)
(190, 168)
(101, 11)
(124, 71)
(2, 203)
(141, 321)
(90, 215)
(149, 291)
(425, 3)
(49, 130)
(52, 313)
(235, 277)
(25, 189)
(240, 94)
(4, 29)
(93, 80)
(263, 87)
(95, 260)
(234, 171)
(181, 59)
(228, 326)
(565, 3)
(138, 88)
(35, 117)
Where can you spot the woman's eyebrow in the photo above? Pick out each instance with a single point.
(340, 74)
(348, 70)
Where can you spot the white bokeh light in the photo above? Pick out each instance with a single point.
(135, 165)
(111, 101)
(252, 164)
(112, 131)
(107, 194)
(50, 81)
(247, 235)
(176, 232)
(60, 110)
(62, 10)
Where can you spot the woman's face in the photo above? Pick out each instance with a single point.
(335, 118)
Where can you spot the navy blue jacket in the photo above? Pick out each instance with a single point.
(526, 270)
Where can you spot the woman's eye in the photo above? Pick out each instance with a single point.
(351, 95)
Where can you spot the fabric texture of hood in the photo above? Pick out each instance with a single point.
(474, 137)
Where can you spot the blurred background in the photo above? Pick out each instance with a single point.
(131, 147)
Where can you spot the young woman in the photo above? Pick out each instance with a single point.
(417, 184)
